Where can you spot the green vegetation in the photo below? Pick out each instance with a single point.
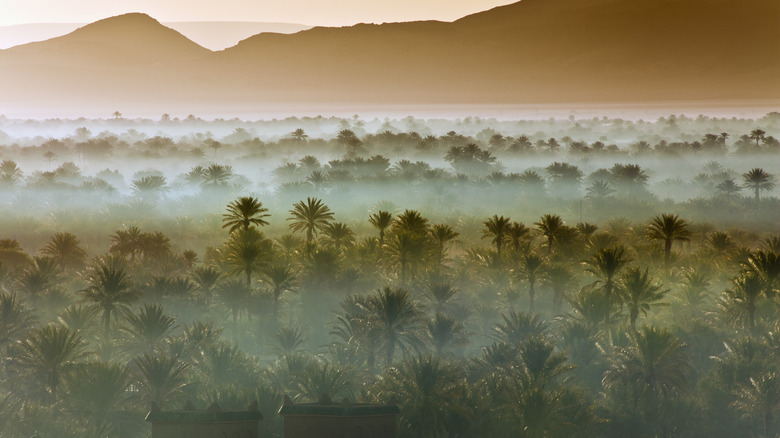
(574, 297)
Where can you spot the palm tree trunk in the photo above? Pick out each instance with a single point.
(531, 293)
(107, 323)
(667, 251)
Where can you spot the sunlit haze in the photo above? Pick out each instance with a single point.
(323, 13)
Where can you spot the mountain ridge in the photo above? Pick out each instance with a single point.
(532, 51)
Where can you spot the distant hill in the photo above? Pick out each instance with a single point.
(214, 35)
(533, 51)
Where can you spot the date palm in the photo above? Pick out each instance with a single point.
(405, 251)
(381, 220)
(740, 302)
(150, 326)
(605, 265)
(15, 319)
(654, 366)
(445, 333)
(669, 228)
(99, 392)
(550, 227)
(161, 377)
(394, 322)
(339, 236)
(49, 352)
(280, 279)
(639, 293)
(519, 327)
(496, 227)
(246, 252)
(442, 234)
(760, 399)
(758, 179)
(110, 290)
(64, 249)
(766, 264)
(529, 268)
(243, 213)
(313, 216)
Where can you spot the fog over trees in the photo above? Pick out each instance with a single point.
(559, 277)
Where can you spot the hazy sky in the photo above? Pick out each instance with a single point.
(313, 12)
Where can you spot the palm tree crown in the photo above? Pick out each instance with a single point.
(669, 228)
(313, 216)
(243, 213)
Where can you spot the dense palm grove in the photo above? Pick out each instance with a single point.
(482, 301)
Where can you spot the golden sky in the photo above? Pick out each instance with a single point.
(311, 12)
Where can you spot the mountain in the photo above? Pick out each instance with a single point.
(533, 51)
(214, 35)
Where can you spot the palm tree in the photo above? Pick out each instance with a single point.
(519, 327)
(429, 391)
(50, 352)
(110, 290)
(247, 251)
(669, 228)
(319, 379)
(235, 294)
(150, 326)
(442, 234)
(740, 301)
(339, 236)
(411, 221)
(445, 333)
(381, 220)
(639, 293)
(100, 391)
(605, 265)
(757, 135)
(530, 266)
(64, 248)
(313, 216)
(299, 135)
(761, 398)
(653, 366)
(243, 213)
(15, 319)
(550, 227)
(405, 251)
(496, 227)
(394, 321)
(758, 179)
(127, 242)
(281, 279)
(766, 264)
(161, 376)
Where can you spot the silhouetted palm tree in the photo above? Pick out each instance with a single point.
(758, 179)
(161, 377)
(110, 290)
(243, 213)
(248, 251)
(381, 220)
(64, 248)
(280, 279)
(313, 216)
(529, 268)
(394, 321)
(50, 352)
(150, 326)
(605, 265)
(497, 228)
(639, 293)
(445, 333)
(760, 399)
(669, 228)
(550, 227)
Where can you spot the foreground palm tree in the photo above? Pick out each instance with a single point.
(49, 352)
(243, 213)
(394, 321)
(550, 226)
(605, 265)
(111, 291)
(758, 179)
(639, 293)
(381, 220)
(761, 399)
(653, 367)
(313, 216)
(161, 376)
(669, 228)
(530, 266)
(64, 248)
(497, 227)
